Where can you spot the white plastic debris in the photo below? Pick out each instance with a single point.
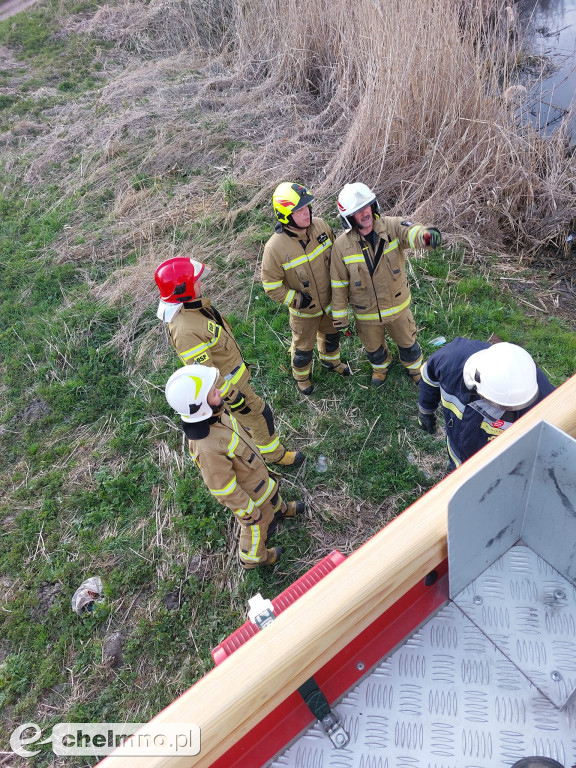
(87, 594)
(322, 464)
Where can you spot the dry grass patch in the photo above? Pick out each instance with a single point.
(161, 27)
(87, 445)
(357, 520)
(423, 115)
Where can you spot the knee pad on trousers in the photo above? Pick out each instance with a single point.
(301, 358)
(377, 358)
(268, 418)
(332, 341)
(410, 354)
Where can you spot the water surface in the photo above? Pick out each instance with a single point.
(552, 26)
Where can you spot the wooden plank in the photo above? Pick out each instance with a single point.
(235, 696)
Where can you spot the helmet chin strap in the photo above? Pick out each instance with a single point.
(290, 223)
(292, 226)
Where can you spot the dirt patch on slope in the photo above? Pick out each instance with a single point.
(11, 7)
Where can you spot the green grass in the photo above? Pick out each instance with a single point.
(58, 528)
(58, 531)
(94, 479)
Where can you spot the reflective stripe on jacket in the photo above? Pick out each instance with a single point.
(291, 267)
(233, 468)
(382, 294)
(201, 335)
(470, 421)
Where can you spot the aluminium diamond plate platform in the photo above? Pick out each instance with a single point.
(491, 677)
(447, 698)
(528, 610)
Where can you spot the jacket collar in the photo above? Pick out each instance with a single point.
(201, 303)
(198, 430)
(280, 228)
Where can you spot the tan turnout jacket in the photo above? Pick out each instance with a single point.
(376, 297)
(233, 469)
(201, 335)
(291, 267)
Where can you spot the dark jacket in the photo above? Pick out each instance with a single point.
(470, 421)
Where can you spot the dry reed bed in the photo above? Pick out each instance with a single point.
(407, 97)
(412, 99)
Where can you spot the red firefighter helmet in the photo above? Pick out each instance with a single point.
(176, 280)
(176, 277)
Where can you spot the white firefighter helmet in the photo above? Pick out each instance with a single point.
(505, 374)
(352, 198)
(187, 391)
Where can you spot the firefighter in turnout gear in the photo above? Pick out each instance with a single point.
(296, 273)
(368, 272)
(483, 389)
(230, 463)
(200, 334)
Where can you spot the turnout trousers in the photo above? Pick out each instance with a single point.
(259, 421)
(306, 332)
(252, 545)
(401, 328)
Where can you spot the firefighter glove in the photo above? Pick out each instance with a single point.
(341, 323)
(238, 404)
(305, 300)
(427, 422)
(432, 238)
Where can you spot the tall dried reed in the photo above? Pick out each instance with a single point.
(410, 97)
(419, 100)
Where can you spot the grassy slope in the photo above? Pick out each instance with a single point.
(93, 475)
